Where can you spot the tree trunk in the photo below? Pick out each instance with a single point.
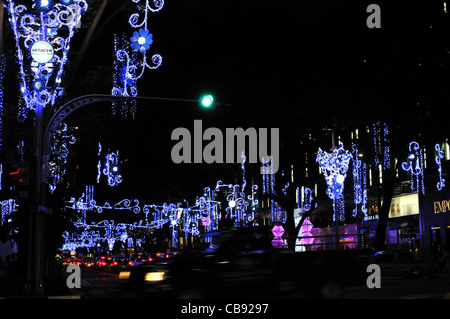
(388, 192)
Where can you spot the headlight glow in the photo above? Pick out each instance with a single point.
(124, 275)
(154, 276)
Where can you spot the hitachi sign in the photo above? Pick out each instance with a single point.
(42, 52)
(442, 206)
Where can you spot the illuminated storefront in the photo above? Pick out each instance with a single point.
(436, 223)
(403, 227)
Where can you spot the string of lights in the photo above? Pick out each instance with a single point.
(438, 158)
(359, 183)
(414, 165)
(130, 60)
(46, 31)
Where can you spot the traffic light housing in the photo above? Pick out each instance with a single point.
(17, 173)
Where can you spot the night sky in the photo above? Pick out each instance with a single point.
(297, 65)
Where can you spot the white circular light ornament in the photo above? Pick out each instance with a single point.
(232, 203)
(42, 52)
(340, 179)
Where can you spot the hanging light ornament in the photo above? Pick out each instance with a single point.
(381, 146)
(439, 156)
(359, 183)
(304, 198)
(111, 169)
(131, 58)
(334, 166)
(43, 37)
(415, 166)
(124, 82)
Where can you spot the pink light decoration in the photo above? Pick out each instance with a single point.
(306, 226)
(306, 232)
(206, 221)
(278, 231)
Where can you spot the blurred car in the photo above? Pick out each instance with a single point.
(120, 263)
(104, 263)
(88, 262)
(403, 263)
(242, 262)
(139, 260)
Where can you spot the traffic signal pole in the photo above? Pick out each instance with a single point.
(36, 261)
(37, 243)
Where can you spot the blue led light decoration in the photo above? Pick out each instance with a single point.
(131, 59)
(43, 35)
(304, 197)
(238, 201)
(8, 207)
(438, 158)
(111, 169)
(2, 77)
(414, 165)
(124, 82)
(359, 183)
(381, 145)
(59, 153)
(334, 166)
(277, 213)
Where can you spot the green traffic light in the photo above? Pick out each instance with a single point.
(207, 101)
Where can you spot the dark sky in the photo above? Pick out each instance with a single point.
(289, 64)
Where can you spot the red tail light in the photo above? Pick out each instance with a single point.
(130, 263)
(150, 259)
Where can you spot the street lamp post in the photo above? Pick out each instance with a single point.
(43, 34)
(334, 166)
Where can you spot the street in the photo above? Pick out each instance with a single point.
(104, 285)
(404, 288)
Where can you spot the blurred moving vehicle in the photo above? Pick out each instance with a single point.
(88, 262)
(121, 263)
(241, 262)
(404, 263)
